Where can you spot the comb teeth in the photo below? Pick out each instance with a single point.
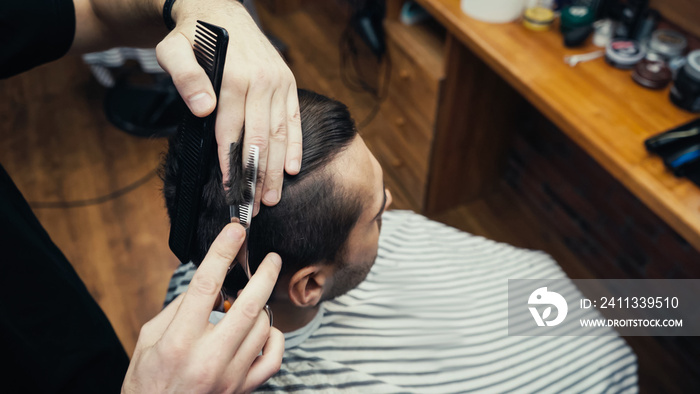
(204, 48)
(244, 215)
(210, 44)
(251, 174)
(184, 219)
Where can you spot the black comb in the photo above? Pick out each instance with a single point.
(196, 136)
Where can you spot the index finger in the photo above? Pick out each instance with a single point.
(250, 303)
(193, 314)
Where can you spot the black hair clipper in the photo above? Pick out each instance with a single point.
(683, 160)
(674, 140)
(196, 138)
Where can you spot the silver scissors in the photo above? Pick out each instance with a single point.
(243, 213)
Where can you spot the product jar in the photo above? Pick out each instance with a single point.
(623, 53)
(667, 43)
(685, 91)
(652, 72)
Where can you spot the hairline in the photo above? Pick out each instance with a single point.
(348, 199)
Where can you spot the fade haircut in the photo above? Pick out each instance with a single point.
(312, 221)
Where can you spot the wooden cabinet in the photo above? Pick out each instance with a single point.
(446, 109)
(417, 70)
(417, 62)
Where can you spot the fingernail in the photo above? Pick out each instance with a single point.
(271, 196)
(275, 258)
(294, 166)
(200, 103)
(235, 232)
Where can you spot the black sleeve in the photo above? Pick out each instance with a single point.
(34, 32)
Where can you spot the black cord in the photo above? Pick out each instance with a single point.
(380, 98)
(351, 72)
(97, 200)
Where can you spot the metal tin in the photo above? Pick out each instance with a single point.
(538, 18)
(692, 65)
(667, 43)
(575, 16)
(685, 92)
(624, 54)
(652, 72)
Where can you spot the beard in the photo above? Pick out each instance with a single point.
(347, 277)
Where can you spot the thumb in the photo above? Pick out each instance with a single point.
(176, 56)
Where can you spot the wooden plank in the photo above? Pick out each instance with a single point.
(393, 9)
(58, 147)
(282, 7)
(422, 44)
(684, 13)
(411, 84)
(476, 114)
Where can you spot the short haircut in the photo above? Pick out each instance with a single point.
(312, 221)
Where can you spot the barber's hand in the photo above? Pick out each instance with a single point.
(180, 351)
(257, 87)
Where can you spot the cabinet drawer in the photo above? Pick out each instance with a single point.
(411, 85)
(417, 68)
(403, 150)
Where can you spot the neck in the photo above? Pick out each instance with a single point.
(288, 317)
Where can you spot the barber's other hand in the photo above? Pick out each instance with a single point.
(257, 87)
(180, 351)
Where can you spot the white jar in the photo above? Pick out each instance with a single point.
(493, 11)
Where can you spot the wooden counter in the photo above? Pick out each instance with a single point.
(599, 107)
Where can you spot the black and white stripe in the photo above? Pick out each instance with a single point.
(432, 317)
(102, 63)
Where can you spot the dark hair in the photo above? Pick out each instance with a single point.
(315, 215)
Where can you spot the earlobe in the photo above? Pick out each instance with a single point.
(308, 284)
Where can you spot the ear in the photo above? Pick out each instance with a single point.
(307, 285)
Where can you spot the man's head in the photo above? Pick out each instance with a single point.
(326, 225)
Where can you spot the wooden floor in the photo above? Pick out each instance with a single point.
(58, 146)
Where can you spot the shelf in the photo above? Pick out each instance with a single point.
(599, 107)
(423, 42)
